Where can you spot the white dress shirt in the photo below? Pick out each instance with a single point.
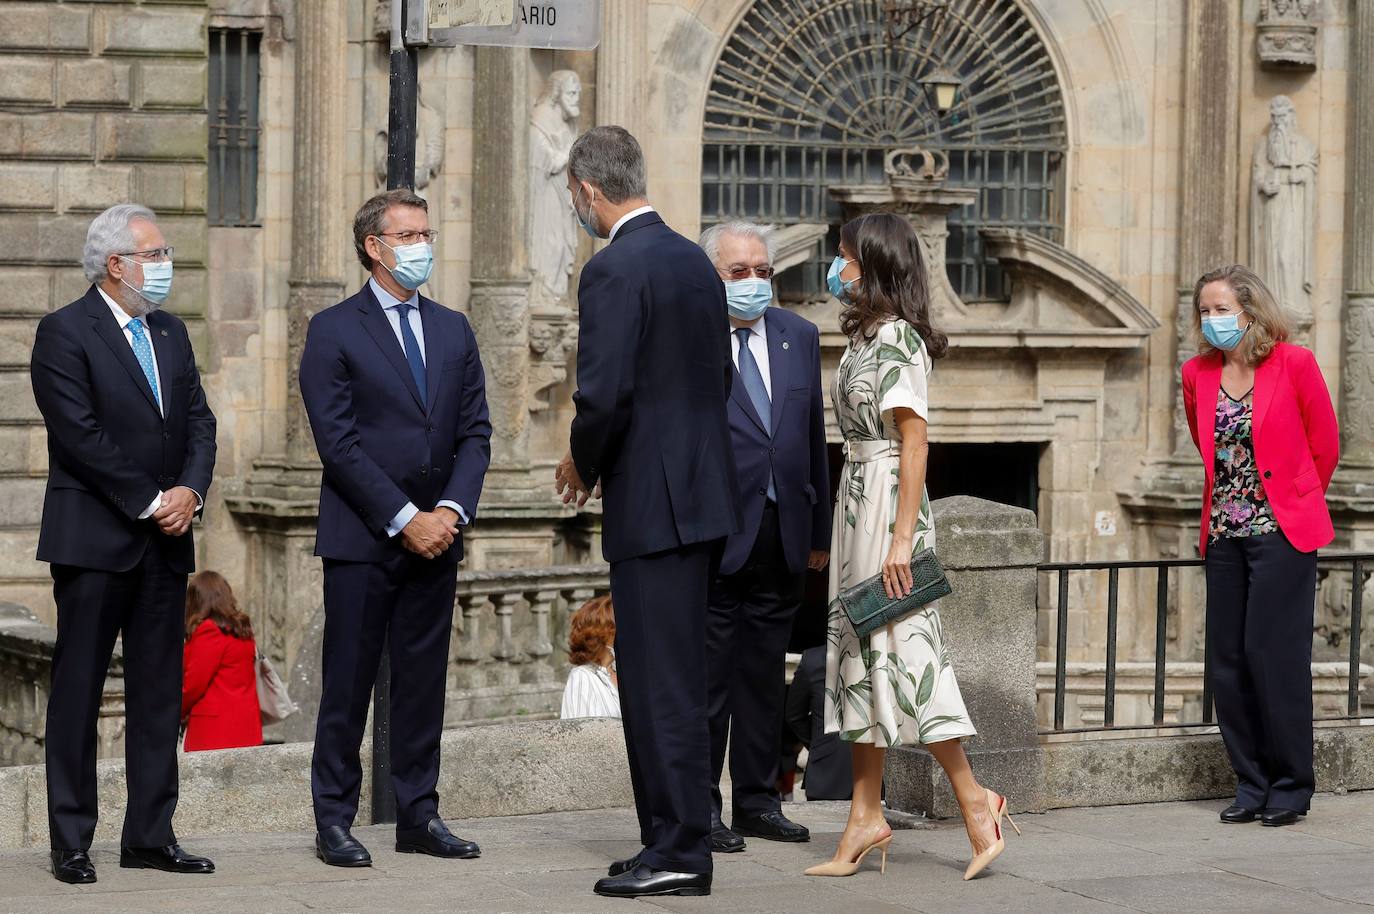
(589, 693)
(626, 218)
(391, 307)
(758, 347)
(123, 318)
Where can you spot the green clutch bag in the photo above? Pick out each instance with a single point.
(869, 608)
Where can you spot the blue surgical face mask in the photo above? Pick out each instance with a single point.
(839, 287)
(1224, 331)
(414, 263)
(748, 298)
(157, 281)
(587, 223)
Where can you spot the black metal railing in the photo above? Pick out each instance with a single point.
(1061, 571)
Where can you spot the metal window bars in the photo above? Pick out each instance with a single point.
(235, 127)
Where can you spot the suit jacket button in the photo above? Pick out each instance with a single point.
(424, 471)
(763, 492)
(429, 428)
(772, 451)
(1267, 474)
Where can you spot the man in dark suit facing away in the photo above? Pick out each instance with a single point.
(653, 374)
(777, 431)
(131, 451)
(394, 389)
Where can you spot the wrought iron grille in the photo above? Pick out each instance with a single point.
(810, 93)
(234, 126)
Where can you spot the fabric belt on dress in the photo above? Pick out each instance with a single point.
(867, 451)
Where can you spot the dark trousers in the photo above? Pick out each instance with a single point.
(405, 602)
(1261, 594)
(660, 656)
(747, 630)
(147, 606)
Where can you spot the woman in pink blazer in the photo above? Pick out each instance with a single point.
(1262, 419)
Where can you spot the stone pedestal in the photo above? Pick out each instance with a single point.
(990, 552)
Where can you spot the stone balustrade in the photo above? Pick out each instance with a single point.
(26, 649)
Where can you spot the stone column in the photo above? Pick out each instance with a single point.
(500, 306)
(317, 230)
(621, 64)
(1211, 125)
(990, 553)
(278, 506)
(1357, 357)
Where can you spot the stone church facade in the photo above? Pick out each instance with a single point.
(1098, 156)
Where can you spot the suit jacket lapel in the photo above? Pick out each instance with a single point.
(161, 342)
(1208, 389)
(1265, 378)
(379, 327)
(741, 397)
(779, 369)
(107, 328)
(434, 350)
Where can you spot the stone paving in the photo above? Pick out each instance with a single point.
(1168, 858)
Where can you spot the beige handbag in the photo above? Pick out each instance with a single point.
(273, 700)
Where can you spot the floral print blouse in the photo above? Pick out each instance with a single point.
(1239, 505)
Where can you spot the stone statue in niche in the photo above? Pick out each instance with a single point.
(429, 144)
(548, 357)
(552, 227)
(1283, 212)
(1286, 34)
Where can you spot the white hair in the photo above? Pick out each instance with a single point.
(710, 239)
(108, 234)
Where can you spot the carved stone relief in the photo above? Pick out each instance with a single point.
(1283, 212)
(552, 229)
(1287, 34)
(429, 144)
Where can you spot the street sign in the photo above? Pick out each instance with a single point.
(570, 24)
(447, 14)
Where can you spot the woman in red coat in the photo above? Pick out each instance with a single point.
(1262, 420)
(219, 686)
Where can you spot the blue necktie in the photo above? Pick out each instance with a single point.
(412, 348)
(143, 351)
(758, 393)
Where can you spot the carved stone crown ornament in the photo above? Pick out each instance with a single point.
(900, 166)
(1287, 34)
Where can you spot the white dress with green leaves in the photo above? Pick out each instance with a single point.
(896, 686)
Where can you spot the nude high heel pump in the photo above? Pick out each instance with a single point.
(997, 807)
(841, 868)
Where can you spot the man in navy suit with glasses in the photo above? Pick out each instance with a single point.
(394, 389)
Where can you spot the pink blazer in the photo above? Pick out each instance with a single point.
(1297, 441)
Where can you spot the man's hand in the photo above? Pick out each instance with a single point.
(430, 533)
(179, 505)
(818, 560)
(567, 482)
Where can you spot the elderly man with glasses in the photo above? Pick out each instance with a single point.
(777, 432)
(131, 450)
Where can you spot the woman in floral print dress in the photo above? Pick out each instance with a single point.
(895, 686)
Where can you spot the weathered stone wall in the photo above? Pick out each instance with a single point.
(100, 103)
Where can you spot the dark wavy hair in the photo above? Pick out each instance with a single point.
(591, 631)
(895, 281)
(208, 596)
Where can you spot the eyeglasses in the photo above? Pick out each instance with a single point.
(739, 271)
(412, 237)
(153, 256)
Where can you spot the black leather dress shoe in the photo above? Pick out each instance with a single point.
(169, 859)
(73, 867)
(642, 881)
(623, 866)
(723, 840)
(436, 840)
(772, 826)
(1279, 817)
(1237, 814)
(337, 847)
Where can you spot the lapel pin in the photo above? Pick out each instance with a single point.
(164, 333)
(785, 345)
